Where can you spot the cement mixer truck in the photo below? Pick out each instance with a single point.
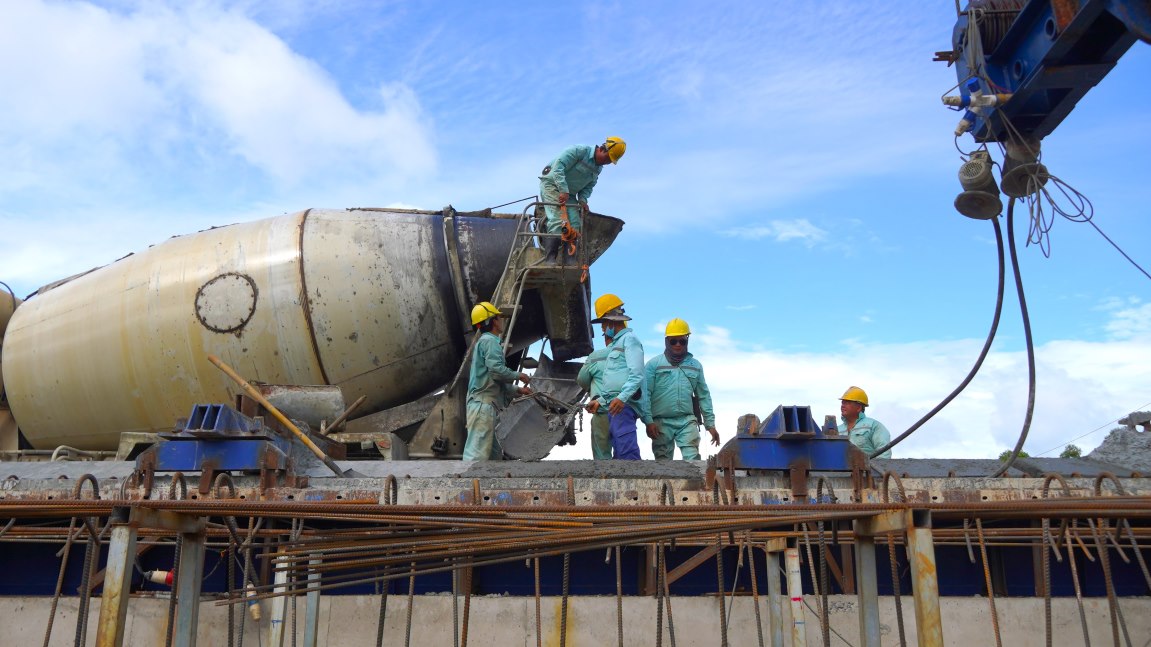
(371, 302)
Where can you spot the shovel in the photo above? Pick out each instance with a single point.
(301, 436)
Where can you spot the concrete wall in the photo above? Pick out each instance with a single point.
(350, 621)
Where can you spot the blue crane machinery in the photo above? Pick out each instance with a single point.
(1022, 65)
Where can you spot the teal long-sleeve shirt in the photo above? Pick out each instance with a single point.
(590, 373)
(670, 389)
(489, 379)
(869, 435)
(574, 171)
(623, 374)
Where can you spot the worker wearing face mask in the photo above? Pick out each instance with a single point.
(620, 387)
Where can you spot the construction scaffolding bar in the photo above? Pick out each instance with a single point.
(924, 581)
(117, 582)
(774, 595)
(190, 578)
(866, 586)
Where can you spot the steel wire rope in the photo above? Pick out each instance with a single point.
(1027, 339)
(1099, 428)
(978, 361)
(1082, 210)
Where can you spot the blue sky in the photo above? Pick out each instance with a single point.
(787, 189)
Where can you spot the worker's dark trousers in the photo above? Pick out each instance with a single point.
(623, 442)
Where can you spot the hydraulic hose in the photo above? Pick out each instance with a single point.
(986, 344)
(1030, 344)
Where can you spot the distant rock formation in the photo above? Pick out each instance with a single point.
(1126, 445)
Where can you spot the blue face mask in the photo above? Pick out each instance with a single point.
(609, 333)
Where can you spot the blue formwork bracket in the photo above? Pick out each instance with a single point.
(216, 438)
(789, 440)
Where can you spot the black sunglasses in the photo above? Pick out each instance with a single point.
(677, 341)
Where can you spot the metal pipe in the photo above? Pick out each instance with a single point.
(795, 594)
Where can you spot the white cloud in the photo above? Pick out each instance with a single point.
(781, 231)
(1081, 386)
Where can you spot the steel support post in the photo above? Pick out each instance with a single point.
(795, 593)
(117, 581)
(867, 589)
(924, 582)
(774, 597)
(312, 614)
(191, 577)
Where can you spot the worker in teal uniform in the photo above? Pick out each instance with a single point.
(677, 389)
(620, 386)
(589, 378)
(868, 434)
(491, 384)
(567, 183)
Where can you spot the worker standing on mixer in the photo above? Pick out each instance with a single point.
(620, 386)
(491, 384)
(566, 184)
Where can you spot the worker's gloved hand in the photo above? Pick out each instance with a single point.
(615, 406)
(714, 435)
(653, 430)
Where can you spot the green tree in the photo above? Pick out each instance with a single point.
(1007, 454)
(1071, 451)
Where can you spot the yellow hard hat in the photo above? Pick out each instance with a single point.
(483, 311)
(855, 394)
(609, 307)
(615, 148)
(677, 328)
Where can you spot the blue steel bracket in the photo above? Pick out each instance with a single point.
(217, 438)
(1053, 53)
(790, 440)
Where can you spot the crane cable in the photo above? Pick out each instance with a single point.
(982, 354)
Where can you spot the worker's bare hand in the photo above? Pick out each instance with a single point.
(714, 435)
(523, 390)
(592, 406)
(653, 430)
(615, 406)
(525, 378)
(563, 199)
